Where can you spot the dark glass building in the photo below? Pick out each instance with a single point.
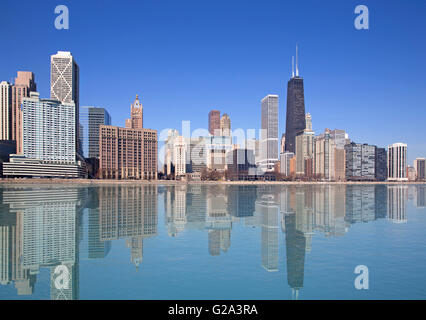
(91, 118)
(381, 164)
(295, 118)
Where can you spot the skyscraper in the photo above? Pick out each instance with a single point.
(397, 162)
(304, 152)
(24, 84)
(269, 133)
(420, 166)
(136, 115)
(295, 118)
(48, 129)
(48, 148)
(64, 84)
(214, 121)
(329, 155)
(360, 161)
(179, 153)
(91, 119)
(128, 153)
(5, 110)
(225, 125)
(381, 164)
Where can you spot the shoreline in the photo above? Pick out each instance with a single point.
(95, 182)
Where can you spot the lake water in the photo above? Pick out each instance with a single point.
(212, 241)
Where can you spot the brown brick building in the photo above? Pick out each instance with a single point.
(128, 153)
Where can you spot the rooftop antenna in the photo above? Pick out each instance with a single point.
(292, 66)
(297, 69)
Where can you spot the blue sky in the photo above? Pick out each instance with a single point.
(185, 58)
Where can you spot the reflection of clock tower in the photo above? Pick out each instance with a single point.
(136, 115)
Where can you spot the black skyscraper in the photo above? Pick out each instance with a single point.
(295, 119)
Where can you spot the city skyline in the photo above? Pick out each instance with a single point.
(299, 138)
(366, 84)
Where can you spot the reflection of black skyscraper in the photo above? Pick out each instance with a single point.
(381, 200)
(295, 119)
(295, 247)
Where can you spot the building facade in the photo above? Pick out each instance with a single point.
(269, 133)
(48, 129)
(381, 164)
(329, 156)
(24, 84)
(48, 148)
(295, 117)
(225, 125)
(64, 85)
(91, 118)
(420, 167)
(179, 156)
(5, 111)
(285, 163)
(360, 161)
(241, 164)
(214, 121)
(304, 152)
(128, 153)
(397, 162)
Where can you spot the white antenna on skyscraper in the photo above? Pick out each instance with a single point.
(292, 66)
(297, 69)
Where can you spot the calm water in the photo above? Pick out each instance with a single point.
(212, 242)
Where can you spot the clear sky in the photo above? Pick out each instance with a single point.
(185, 58)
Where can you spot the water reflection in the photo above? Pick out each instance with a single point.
(47, 227)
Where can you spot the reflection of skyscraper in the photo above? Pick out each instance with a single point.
(295, 242)
(330, 208)
(7, 232)
(49, 221)
(219, 240)
(96, 248)
(128, 212)
(396, 203)
(136, 250)
(11, 251)
(218, 220)
(269, 214)
(196, 207)
(241, 201)
(381, 201)
(421, 196)
(360, 204)
(176, 213)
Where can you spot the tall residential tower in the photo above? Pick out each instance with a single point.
(24, 84)
(269, 133)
